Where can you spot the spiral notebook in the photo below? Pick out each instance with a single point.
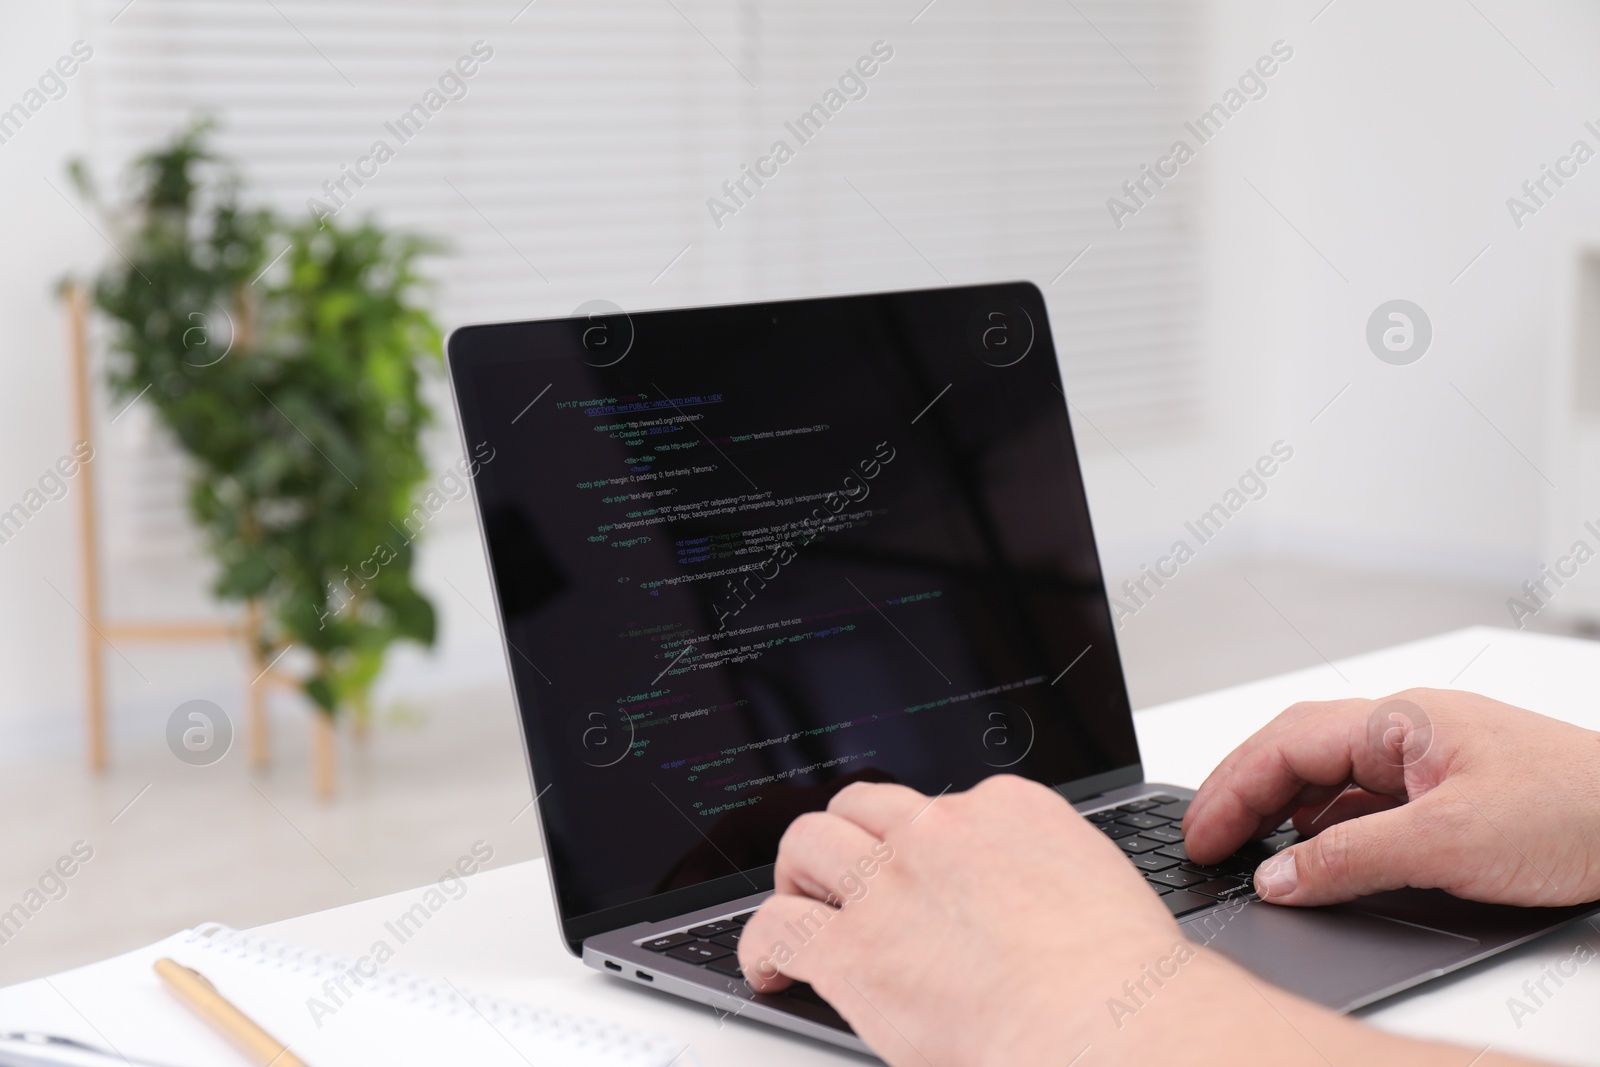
(387, 1018)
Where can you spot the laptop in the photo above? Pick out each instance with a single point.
(743, 556)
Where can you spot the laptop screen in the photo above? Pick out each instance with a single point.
(747, 555)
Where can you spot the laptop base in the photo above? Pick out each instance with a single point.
(1343, 957)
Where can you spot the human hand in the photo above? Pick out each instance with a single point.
(997, 926)
(1451, 790)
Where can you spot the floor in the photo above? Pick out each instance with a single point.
(174, 845)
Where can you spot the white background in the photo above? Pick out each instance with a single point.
(1384, 151)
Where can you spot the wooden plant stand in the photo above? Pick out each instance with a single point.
(99, 630)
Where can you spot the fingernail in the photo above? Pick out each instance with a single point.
(1277, 877)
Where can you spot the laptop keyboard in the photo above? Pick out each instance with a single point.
(1150, 832)
(714, 945)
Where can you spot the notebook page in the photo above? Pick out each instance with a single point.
(297, 996)
(118, 1005)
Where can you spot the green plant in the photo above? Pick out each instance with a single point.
(295, 388)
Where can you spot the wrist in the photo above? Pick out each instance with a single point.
(1130, 1004)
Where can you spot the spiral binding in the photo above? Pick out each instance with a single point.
(582, 1033)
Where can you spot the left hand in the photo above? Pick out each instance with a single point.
(1452, 791)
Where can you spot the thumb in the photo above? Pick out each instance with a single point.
(1370, 854)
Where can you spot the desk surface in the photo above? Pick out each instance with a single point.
(501, 936)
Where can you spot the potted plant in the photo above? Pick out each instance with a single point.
(286, 358)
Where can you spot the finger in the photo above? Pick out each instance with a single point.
(1303, 762)
(1384, 850)
(824, 856)
(1350, 804)
(781, 943)
(1293, 713)
(1216, 781)
(878, 806)
(1309, 798)
(1284, 720)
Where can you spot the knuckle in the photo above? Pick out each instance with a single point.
(1292, 716)
(808, 824)
(936, 815)
(1008, 788)
(1300, 709)
(854, 789)
(998, 785)
(986, 786)
(1334, 854)
(800, 831)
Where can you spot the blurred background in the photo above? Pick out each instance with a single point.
(1239, 300)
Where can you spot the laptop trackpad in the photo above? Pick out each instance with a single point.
(1338, 958)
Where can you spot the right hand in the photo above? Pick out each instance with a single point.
(1452, 790)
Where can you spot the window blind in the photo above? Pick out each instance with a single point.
(581, 158)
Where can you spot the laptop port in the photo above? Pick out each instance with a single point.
(610, 966)
(645, 977)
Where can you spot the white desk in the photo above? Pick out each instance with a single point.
(501, 937)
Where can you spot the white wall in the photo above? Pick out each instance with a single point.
(1391, 142)
(39, 648)
(1395, 140)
